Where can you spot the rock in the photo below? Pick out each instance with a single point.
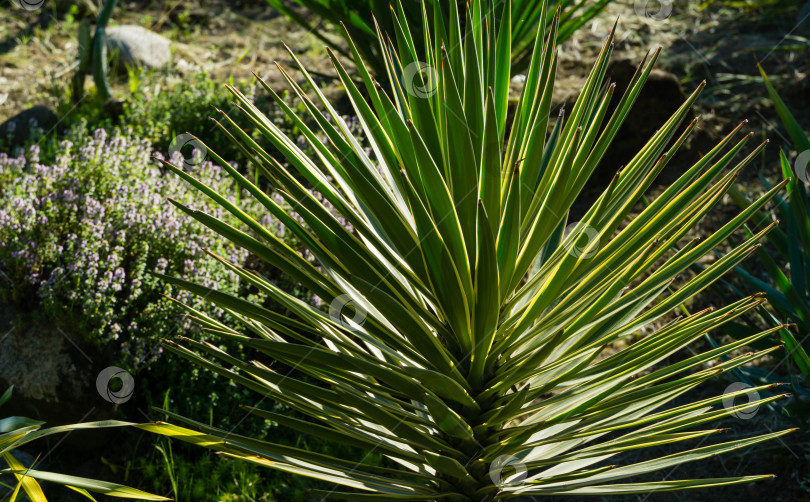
(519, 79)
(136, 46)
(35, 361)
(54, 374)
(19, 127)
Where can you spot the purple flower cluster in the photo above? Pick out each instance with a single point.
(79, 239)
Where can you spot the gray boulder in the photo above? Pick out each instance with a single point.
(136, 46)
(37, 361)
(54, 374)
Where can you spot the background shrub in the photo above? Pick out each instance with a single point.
(157, 109)
(80, 236)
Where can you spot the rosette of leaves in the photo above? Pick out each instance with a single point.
(787, 266)
(470, 325)
(18, 431)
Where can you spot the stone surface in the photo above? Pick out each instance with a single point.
(49, 374)
(36, 362)
(20, 126)
(54, 376)
(136, 46)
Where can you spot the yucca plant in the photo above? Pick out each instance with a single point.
(18, 431)
(788, 267)
(469, 330)
(363, 16)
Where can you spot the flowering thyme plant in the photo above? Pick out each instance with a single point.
(80, 236)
